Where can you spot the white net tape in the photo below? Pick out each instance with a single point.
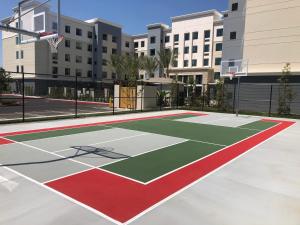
(54, 43)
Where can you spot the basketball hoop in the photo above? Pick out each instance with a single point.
(231, 75)
(54, 42)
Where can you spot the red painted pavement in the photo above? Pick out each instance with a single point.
(123, 199)
(5, 141)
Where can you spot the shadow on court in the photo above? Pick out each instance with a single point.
(82, 151)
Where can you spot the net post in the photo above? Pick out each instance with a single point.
(238, 97)
(270, 100)
(76, 95)
(23, 96)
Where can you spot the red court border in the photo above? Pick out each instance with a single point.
(122, 199)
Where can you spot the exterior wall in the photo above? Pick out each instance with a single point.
(127, 39)
(276, 40)
(235, 21)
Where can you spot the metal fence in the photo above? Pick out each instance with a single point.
(43, 96)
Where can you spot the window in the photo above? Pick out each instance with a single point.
(220, 32)
(104, 62)
(175, 51)
(219, 47)
(104, 37)
(195, 49)
(54, 26)
(127, 44)
(90, 34)
(89, 73)
(152, 52)
(17, 69)
(152, 40)
(78, 59)
(136, 44)
(67, 29)
(78, 45)
(217, 75)
(114, 51)
(54, 56)
(113, 75)
(218, 61)
(142, 44)
(22, 54)
(17, 25)
(175, 63)
(22, 69)
(78, 72)
(187, 36)
(17, 40)
(54, 70)
(194, 62)
(195, 35)
(67, 43)
(67, 58)
(114, 39)
(90, 47)
(104, 49)
(198, 79)
(186, 63)
(142, 54)
(17, 54)
(207, 34)
(206, 48)
(186, 50)
(231, 63)
(176, 37)
(167, 39)
(104, 74)
(205, 62)
(67, 71)
(89, 61)
(136, 55)
(232, 35)
(235, 6)
(78, 32)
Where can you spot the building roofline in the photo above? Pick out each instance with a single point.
(140, 35)
(196, 15)
(95, 20)
(154, 25)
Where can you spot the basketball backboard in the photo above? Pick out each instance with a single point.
(234, 68)
(34, 20)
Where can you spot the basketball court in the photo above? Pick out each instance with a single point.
(134, 168)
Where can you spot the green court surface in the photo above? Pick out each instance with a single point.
(259, 125)
(154, 164)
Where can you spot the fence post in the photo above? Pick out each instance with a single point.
(233, 100)
(23, 96)
(160, 97)
(142, 95)
(238, 97)
(203, 96)
(270, 101)
(76, 95)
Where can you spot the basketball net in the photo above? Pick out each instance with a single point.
(231, 75)
(54, 43)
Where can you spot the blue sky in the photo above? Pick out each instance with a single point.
(133, 15)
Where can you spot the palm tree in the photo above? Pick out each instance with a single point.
(166, 58)
(117, 64)
(150, 64)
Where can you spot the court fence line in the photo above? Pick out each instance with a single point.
(48, 96)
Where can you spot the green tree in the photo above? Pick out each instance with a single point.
(5, 79)
(117, 64)
(286, 94)
(166, 59)
(149, 64)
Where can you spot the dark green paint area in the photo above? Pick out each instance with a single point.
(200, 132)
(259, 125)
(55, 133)
(151, 165)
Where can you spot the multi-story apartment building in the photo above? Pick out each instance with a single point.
(84, 52)
(195, 38)
(265, 34)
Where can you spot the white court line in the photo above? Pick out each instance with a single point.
(66, 197)
(52, 153)
(103, 142)
(202, 178)
(3, 179)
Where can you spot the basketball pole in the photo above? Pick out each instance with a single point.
(238, 97)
